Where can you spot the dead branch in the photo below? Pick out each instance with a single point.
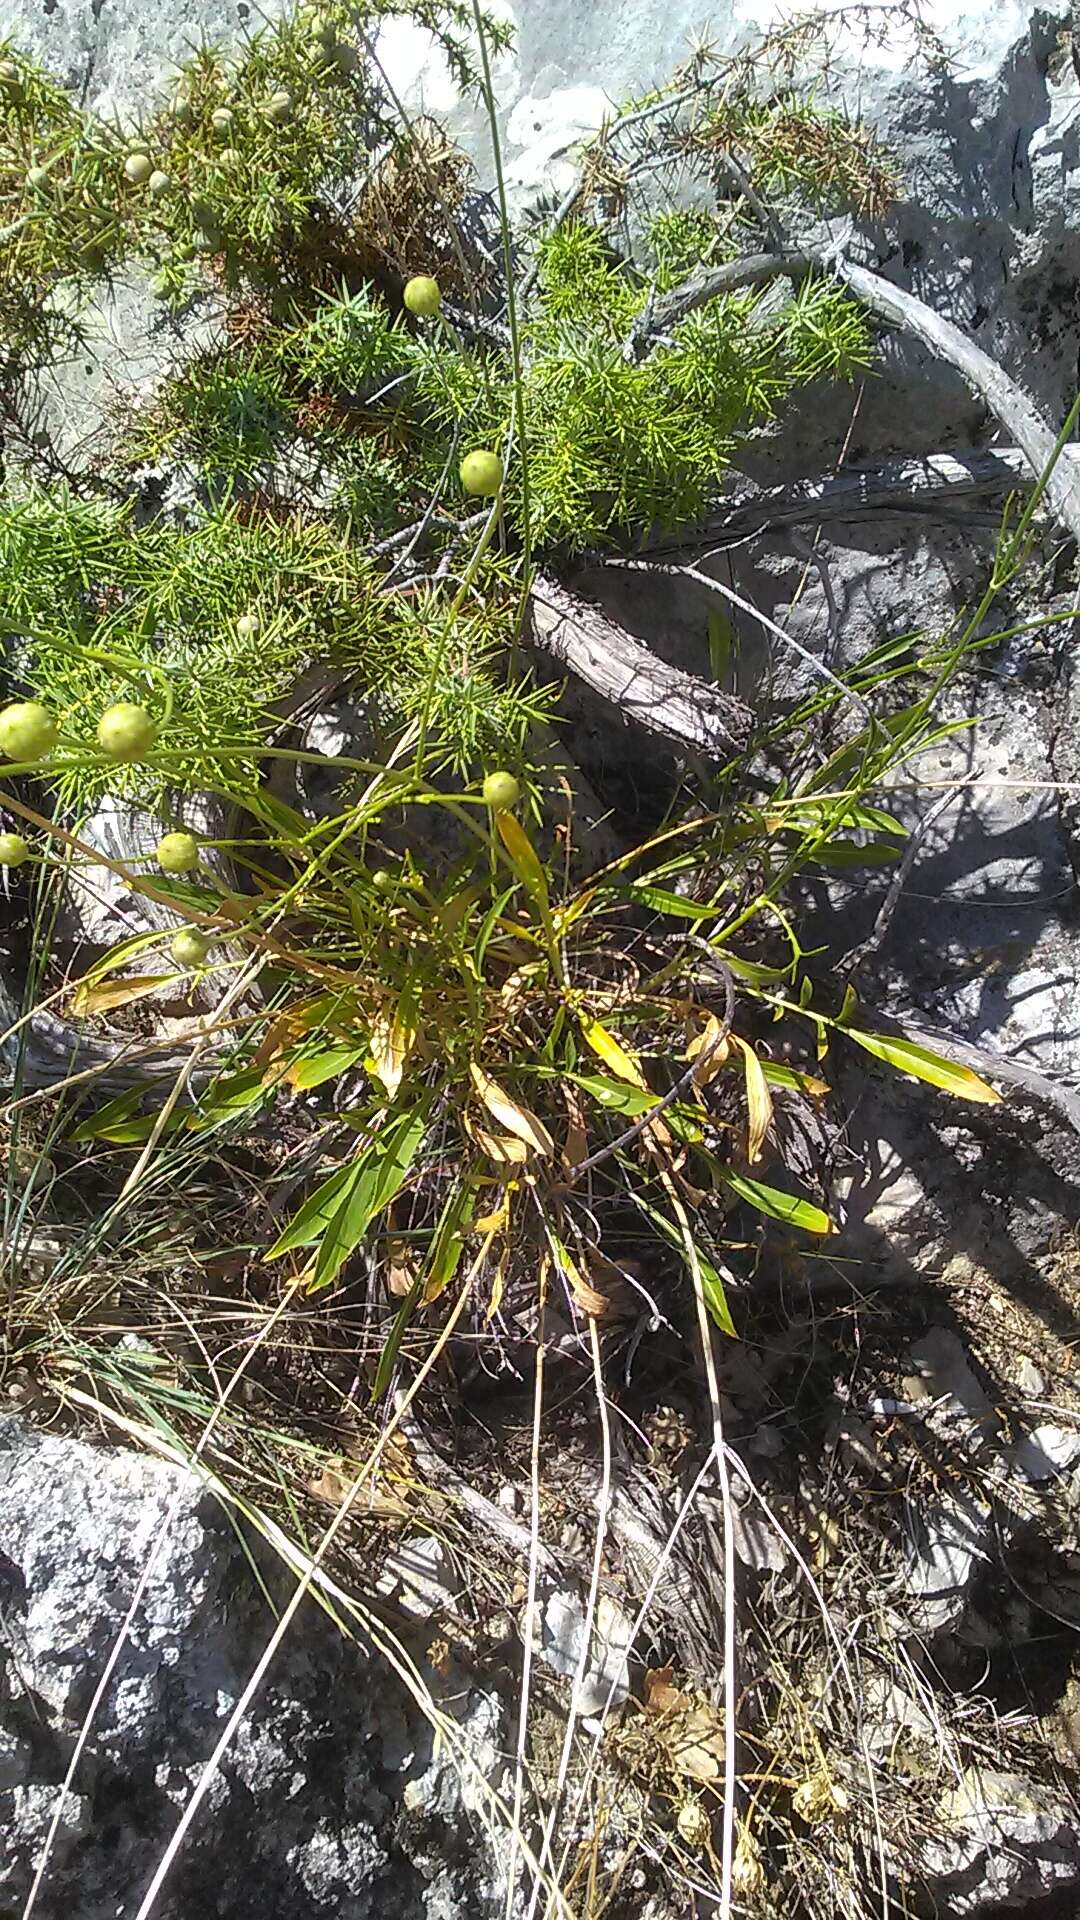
(1005, 399)
(932, 483)
(678, 706)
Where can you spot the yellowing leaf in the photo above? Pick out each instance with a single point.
(523, 856)
(504, 1148)
(563, 918)
(585, 1296)
(498, 1285)
(512, 1114)
(759, 1106)
(604, 1044)
(577, 1140)
(907, 1056)
(105, 996)
(711, 1046)
(123, 951)
(393, 1036)
(495, 1221)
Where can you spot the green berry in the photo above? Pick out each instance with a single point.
(177, 853)
(189, 948)
(422, 296)
(345, 58)
(158, 183)
(38, 179)
(248, 625)
(481, 471)
(501, 791)
(138, 168)
(279, 107)
(222, 122)
(27, 731)
(9, 77)
(126, 731)
(229, 157)
(382, 880)
(13, 850)
(182, 110)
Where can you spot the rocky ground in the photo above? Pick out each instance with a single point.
(907, 1408)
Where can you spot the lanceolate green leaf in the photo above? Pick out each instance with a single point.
(670, 903)
(777, 1204)
(850, 853)
(389, 1354)
(907, 1056)
(615, 1094)
(315, 1215)
(449, 1241)
(315, 1068)
(712, 1284)
(374, 1179)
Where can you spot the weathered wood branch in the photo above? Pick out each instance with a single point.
(681, 708)
(1002, 395)
(932, 483)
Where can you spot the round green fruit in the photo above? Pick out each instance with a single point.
(9, 77)
(126, 731)
(138, 168)
(248, 625)
(37, 179)
(222, 122)
(189, 948)
(279, 107)
(229, 157)
(345, 58)
(481, 471)
(501, 791)
(13, 850)
(422, 296)
(27, 731)
(382, 880)
(177, 852)
(158, 183)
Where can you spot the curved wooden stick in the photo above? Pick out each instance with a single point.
(1005, 398)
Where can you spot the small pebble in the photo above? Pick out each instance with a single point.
(1029, 1380)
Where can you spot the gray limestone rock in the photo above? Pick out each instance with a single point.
(331, 1799)
(1004, 1840)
